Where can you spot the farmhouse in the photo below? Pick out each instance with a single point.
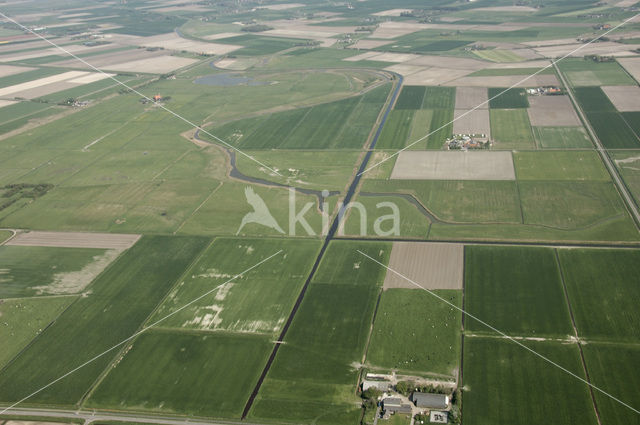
(430, 401)
(395, 405)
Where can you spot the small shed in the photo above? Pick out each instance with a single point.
(430, 401)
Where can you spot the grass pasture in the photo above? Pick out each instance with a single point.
(627, 163)
(613, 368)
(516, 383)
(439, 98)
(343, 264)
(396, 131)
(582, 72)
(119, 302)
(410, 97)
(560, 165)
(35, 270)
(257, 45)
(561, 138)
(24, 319)
(511, 98)
(399, 345)
(511, 129)
(191, 373)
(256, 302)
(603, 290)
(517, 290)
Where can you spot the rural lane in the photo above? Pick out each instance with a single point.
(622, 188)
(91, 417)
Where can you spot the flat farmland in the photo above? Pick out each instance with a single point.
(440, 129)
(400, 346)
(24, 319)
(603, 289)
(465, 201)
(561, 137)
(411, 97)
(395, 134)
(471, 97)
(624, 98)
(509, 99)
(453, 165)
(511, 129)
(256, 302)
(627, 164)
(439, 98)
(517, 290)
(560, 165)
(516, 383)
(472, 122)
(119, 302)
(428, 265)
(327, 338)
(317, 170)
(613, 368)
(34, 270)
(571, 205)
(191, 373)
(343, 264)
(342, 124)
(583, 72)
(552, 111)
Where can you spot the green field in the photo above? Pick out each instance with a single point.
(439, 98)
(507, 98)
(416, 332)
(560, 165)
(627, 164)
(396, 131)
(23, 319)
(516, 290)
(313, 377)
(5, 234)
(256, 302)
(317, 170)
(582, 72)
(517, 384)
(498, 55)
(255, 45)
(35, 270)
(603, 290)
(440, 130)
(458, 201)
(341, 124)
(410, 97)
(561, 137)
(570, 205)
(613, 130)
(119, 302)
(200, 374)
(613, 369)
(511, 129)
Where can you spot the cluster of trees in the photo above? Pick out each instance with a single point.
(256, 28)
(13, 192)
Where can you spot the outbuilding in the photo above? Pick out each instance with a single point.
(430, 401)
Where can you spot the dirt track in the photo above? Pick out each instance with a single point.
(74, 240)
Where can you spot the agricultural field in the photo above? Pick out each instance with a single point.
(499, 373)
(172, 246)
(397, 345)
(505, 283)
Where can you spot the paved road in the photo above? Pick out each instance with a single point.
(631, 206)
(90, 417)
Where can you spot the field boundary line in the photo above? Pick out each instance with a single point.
(575, 331)
(504, 335)
(89, 392)
(486, 102)
(158, 104)
(124, 341)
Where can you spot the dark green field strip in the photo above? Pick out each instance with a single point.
(515, 289)
(505, 384)
(23, 77)
(396, 130)
(255, 45)
(633, 121)
(343, 264)
(604, 292)
(440, 129)
(406, 319)
(118, 302)
(439, 98)
(614, 369)
(344, 124)
(612, 130)
(511, 99)
(593, 99)
(203, 374)
(410, 97)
